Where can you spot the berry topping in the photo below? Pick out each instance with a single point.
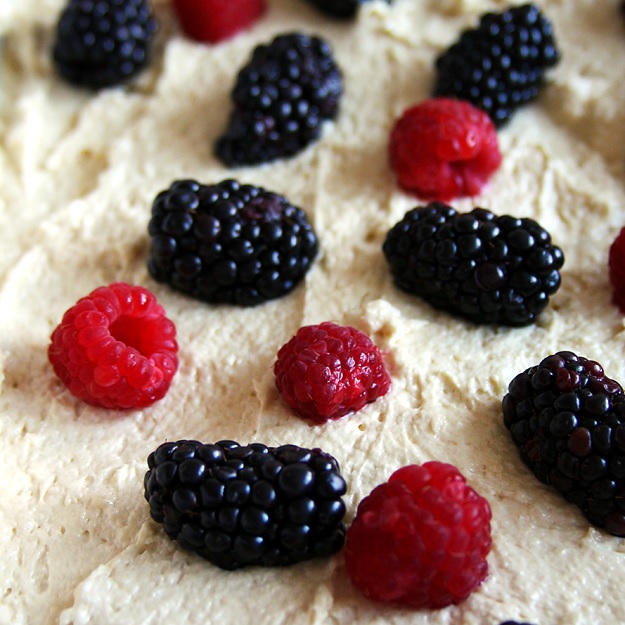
(104, 43)
(420, 539)
(281, 99)
(487, 268)
(247, 505)
(500, 65)
(568, 420)
(216, 20)
(441, 149)
(116, 348)
(616, 263)
(340, 8)
(514, 623)
(228, 242)
(327, 371)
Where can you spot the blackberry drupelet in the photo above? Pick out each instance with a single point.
(568, 420)
(247, 505)
(101, 43)
(340, 8)
(281, 99)
(485, 267)
(229, 243)
(500, 65)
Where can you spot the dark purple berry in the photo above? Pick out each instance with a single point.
(340, 8)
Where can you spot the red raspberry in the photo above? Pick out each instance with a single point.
(116, 348)
(327, 371)
(420, 539)
(616, 264)
(216, 20)
(442, 149)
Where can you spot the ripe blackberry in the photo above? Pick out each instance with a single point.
(239, 505)
(100, 43)
(281, 99)
(340, 8)
(616, 270)
(568, 420)
(500, 65)
(327, 371)
(487, 268)
(420, 539)
(228, 242)
(514, 623)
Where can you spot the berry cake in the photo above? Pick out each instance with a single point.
(82, 163)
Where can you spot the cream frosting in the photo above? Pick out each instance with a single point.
(78, 173)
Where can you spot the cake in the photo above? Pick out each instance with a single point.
(79, 172)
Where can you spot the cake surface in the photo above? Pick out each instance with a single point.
(78, 173)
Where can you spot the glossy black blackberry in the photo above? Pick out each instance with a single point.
(487, 268)
(229, 243)
(101, 43)
(514, 623)
(568, 420)
(500, 65)
(340, 8)
(281, 99)
(247, 505)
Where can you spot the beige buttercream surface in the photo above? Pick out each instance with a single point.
(78, 173)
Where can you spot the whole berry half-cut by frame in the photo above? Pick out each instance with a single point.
(616, 268)
(239, 505)
(102, 43)
(340, 8)
(229, 243)
(421, 539)
(488, 268)
(115, 348)
(327, 371)
(500, 65)
(567, 417)
(217, 20)
(281, 99)
(442, 149)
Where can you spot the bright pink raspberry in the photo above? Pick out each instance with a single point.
(442, 149)
(327, 371)
(420, 539)
(616, 265)
(115, 348)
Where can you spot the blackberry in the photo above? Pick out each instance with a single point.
(239, 505)
(340, 8)
(500, 65)
(100, 43)
(568, 420)
(514, 623)
(281, 99)
(229, 243)
(487, 268)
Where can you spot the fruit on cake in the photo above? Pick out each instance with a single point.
(112, 172)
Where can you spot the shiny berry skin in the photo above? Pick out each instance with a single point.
(115, 348)
(420, 539)
(487, 268)
(217, 20)
(514, 623)
(442, 149)
(240, 505)
(327, 371)
(340, 8)
(104, 43)
(616, 266)
(567, 419)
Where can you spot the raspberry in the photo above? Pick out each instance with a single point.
(442, 149)
(568, 420)
(104, 43)
(485, 267)
(239, 505)
(216, 20)
(282, 97)
(420, 539)
(116, 348)
(340, 8)
(616, 265)
(500, 65)
(327, 371)
(229, 243)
